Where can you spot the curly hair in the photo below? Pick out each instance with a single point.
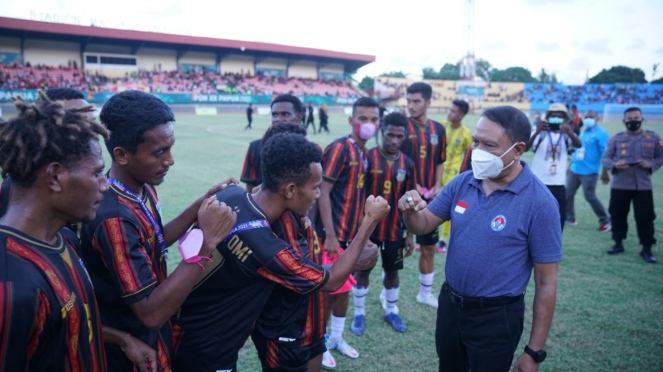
(395, 119)
(278, 128)
(128, 115)
(287, 157)
(44, 132)
(296, 103)
(58, 94)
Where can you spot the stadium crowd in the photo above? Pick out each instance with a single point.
(83, 276)
(14, 77)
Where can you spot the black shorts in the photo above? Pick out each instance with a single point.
(286, 355)
(392, 254)
(432, 238)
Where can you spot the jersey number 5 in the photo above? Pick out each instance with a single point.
(422, 151)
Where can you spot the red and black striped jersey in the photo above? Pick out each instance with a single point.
(49, 318)
(389, 179)
(427, 147)
(221, 311)
(121, 251)
(287, 314)
(251, 171)
(344, 165)
(467, 161)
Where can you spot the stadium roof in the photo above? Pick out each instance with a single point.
(139, 39)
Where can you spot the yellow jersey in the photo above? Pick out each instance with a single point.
(458, 141)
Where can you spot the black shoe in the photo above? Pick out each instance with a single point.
(647, 256)
(617, 248)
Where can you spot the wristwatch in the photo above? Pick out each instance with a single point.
(538, 356)
(190, 245)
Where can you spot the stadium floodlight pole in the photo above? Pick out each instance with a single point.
(468, 63)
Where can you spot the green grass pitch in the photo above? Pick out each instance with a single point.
(609, 314)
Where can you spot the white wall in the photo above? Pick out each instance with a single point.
(304, 69)
(235, 64)
(276, 63)
(149, 58)
(52, 53)
(333, 67)
(199, 58)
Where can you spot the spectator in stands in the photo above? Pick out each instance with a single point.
(249, 117)
(322, 113)
(552, 141)
(632, 156)
(585, 166)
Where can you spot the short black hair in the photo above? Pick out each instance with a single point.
(515, 123)
(631, 109)
(58, 94)
(425, 89)
(296, 103)
(574, 107)
(462, 105)
(42, 133)
(395, 119)
(364, 102)
(278, 128)
(128, 115)
(287, 157)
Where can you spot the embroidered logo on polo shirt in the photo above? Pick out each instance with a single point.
(461, 206)
(498, 223)
(433, 139)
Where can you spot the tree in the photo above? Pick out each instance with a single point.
(513, 75)
(619, 74)
(543, 76)
(657, 81)
(447, 72)
(394, 74)
(553, 78)
(367, 83)
(483, 69)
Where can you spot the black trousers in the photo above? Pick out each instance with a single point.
(477, 339)
(643, 207)
(559, 192)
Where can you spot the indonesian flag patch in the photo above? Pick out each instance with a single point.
(461, 206)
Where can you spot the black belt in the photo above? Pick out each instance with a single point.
(478, 302)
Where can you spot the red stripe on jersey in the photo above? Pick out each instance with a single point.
(466, 160)
(333, 159)
(272, 354)
(162, 355)
(56, 281)
(295, 266)
(177, 333)
(42, 311)
(248, 170)
(348, 206)
(290, 230)
(125, 270)
(269, 276)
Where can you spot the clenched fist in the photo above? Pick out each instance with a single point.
(368, 257)
(216, 220)
(376, 208)
(411, 201)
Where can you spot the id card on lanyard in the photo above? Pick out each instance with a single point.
(364, 161)
(161, 241)
(552, 162)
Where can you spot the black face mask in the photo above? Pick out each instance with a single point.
(633, 125)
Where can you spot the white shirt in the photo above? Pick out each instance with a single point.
(548, 165)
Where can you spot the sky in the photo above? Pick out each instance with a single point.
(572, 38)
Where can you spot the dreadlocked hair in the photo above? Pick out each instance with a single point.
(42, 133)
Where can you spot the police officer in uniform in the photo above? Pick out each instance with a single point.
(632, 156)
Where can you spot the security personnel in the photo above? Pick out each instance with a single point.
(632, 156)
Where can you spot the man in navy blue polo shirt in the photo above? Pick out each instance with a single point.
(504, 223)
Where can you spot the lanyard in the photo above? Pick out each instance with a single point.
(157, 229)
(257, 224)
(361, 153)
(554, 149)
(593, 130)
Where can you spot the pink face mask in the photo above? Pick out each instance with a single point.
(366, 130)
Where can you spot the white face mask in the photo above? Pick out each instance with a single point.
(589, 122)
(487, 165)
